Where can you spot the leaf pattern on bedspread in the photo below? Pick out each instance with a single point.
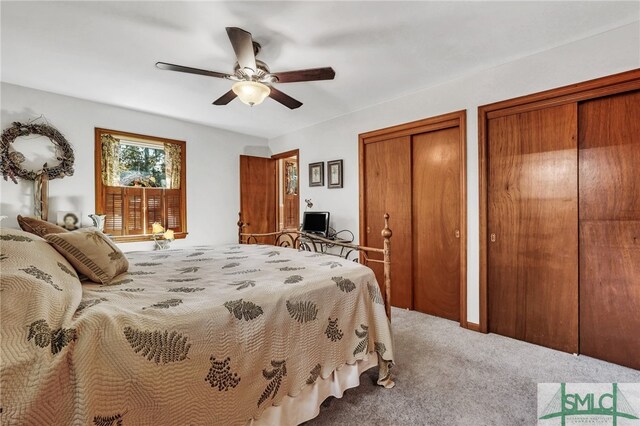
(332, 331)
(87, 304)
(292, 279)
(166, 304)
(66, 270)
(141, 272)
(182, 280)
(231, 265)
(61, 338)
(380, 348)
(114, 420)
(125, 281)
(278, 261)
(148, 264)
(344, 284)
(41, 275)
(40, 332)
(158, 345)
(241, 309)
(276, 375)
(272, 253)
(374, 293)
(313, 374)
(246, 271)
(188, 270)
(291, 268)
(302, 311)
(42, 336)
(220, 375)
(241, 285)
(332, 264)
(17, 238)
(185, 289)
(194, 254)
(364, 343)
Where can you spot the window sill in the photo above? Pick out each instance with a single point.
(139, 238)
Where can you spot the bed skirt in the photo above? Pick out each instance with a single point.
(306, 405)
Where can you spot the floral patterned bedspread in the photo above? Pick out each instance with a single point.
(211, 335)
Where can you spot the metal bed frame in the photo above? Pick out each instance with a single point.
(291, 238)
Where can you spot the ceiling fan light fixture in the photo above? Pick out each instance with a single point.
(251, 92)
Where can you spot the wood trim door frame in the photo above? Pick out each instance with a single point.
(599, 87)
(279, 156)
(444, 121)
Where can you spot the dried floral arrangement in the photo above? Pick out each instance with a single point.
(11, 160)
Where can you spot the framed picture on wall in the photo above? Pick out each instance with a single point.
(69, 220)
(316, 174)
(334, 174)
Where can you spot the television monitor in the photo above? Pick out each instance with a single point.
(316, 223)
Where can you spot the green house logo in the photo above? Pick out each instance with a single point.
(591, 404)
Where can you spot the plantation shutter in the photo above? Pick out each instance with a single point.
(173, 210)
(114, 210)
(155, 207)
(134, 210)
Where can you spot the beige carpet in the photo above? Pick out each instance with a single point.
(446, 375)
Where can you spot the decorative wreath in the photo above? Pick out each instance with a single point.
(10, 161)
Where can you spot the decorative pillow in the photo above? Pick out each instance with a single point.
(39, 227)
(92, 253)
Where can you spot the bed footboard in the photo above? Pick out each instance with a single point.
(293, 238)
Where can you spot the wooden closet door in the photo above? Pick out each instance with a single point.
(436, 228)
(610, 228)
(533, 227)
(387, 166)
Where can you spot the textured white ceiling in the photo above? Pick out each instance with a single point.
(106, 51)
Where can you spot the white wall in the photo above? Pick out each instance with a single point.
(608, 53)
(213, 190)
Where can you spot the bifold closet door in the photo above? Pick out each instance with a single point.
(388, 190)
(436, 227)
(533, 227)
(610, 228)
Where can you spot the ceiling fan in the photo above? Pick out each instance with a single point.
(253, 79)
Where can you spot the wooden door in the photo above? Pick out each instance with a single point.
(387, 172)
(258, 195)
(533, 227)
(610, 228)
(436, 227)
(290, 194)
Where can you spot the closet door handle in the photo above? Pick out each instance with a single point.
(493, 238)
(457, 233)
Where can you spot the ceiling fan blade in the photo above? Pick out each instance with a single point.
(189, 70)
(243, 46)
(284, 99)
(226, 98)
(326, 73)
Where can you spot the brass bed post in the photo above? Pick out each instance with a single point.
(240, 226)
(386, 234)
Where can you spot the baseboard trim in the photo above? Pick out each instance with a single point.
(473, 326)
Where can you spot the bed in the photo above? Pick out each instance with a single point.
(236, 334)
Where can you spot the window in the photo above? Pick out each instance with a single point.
(140, 180)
